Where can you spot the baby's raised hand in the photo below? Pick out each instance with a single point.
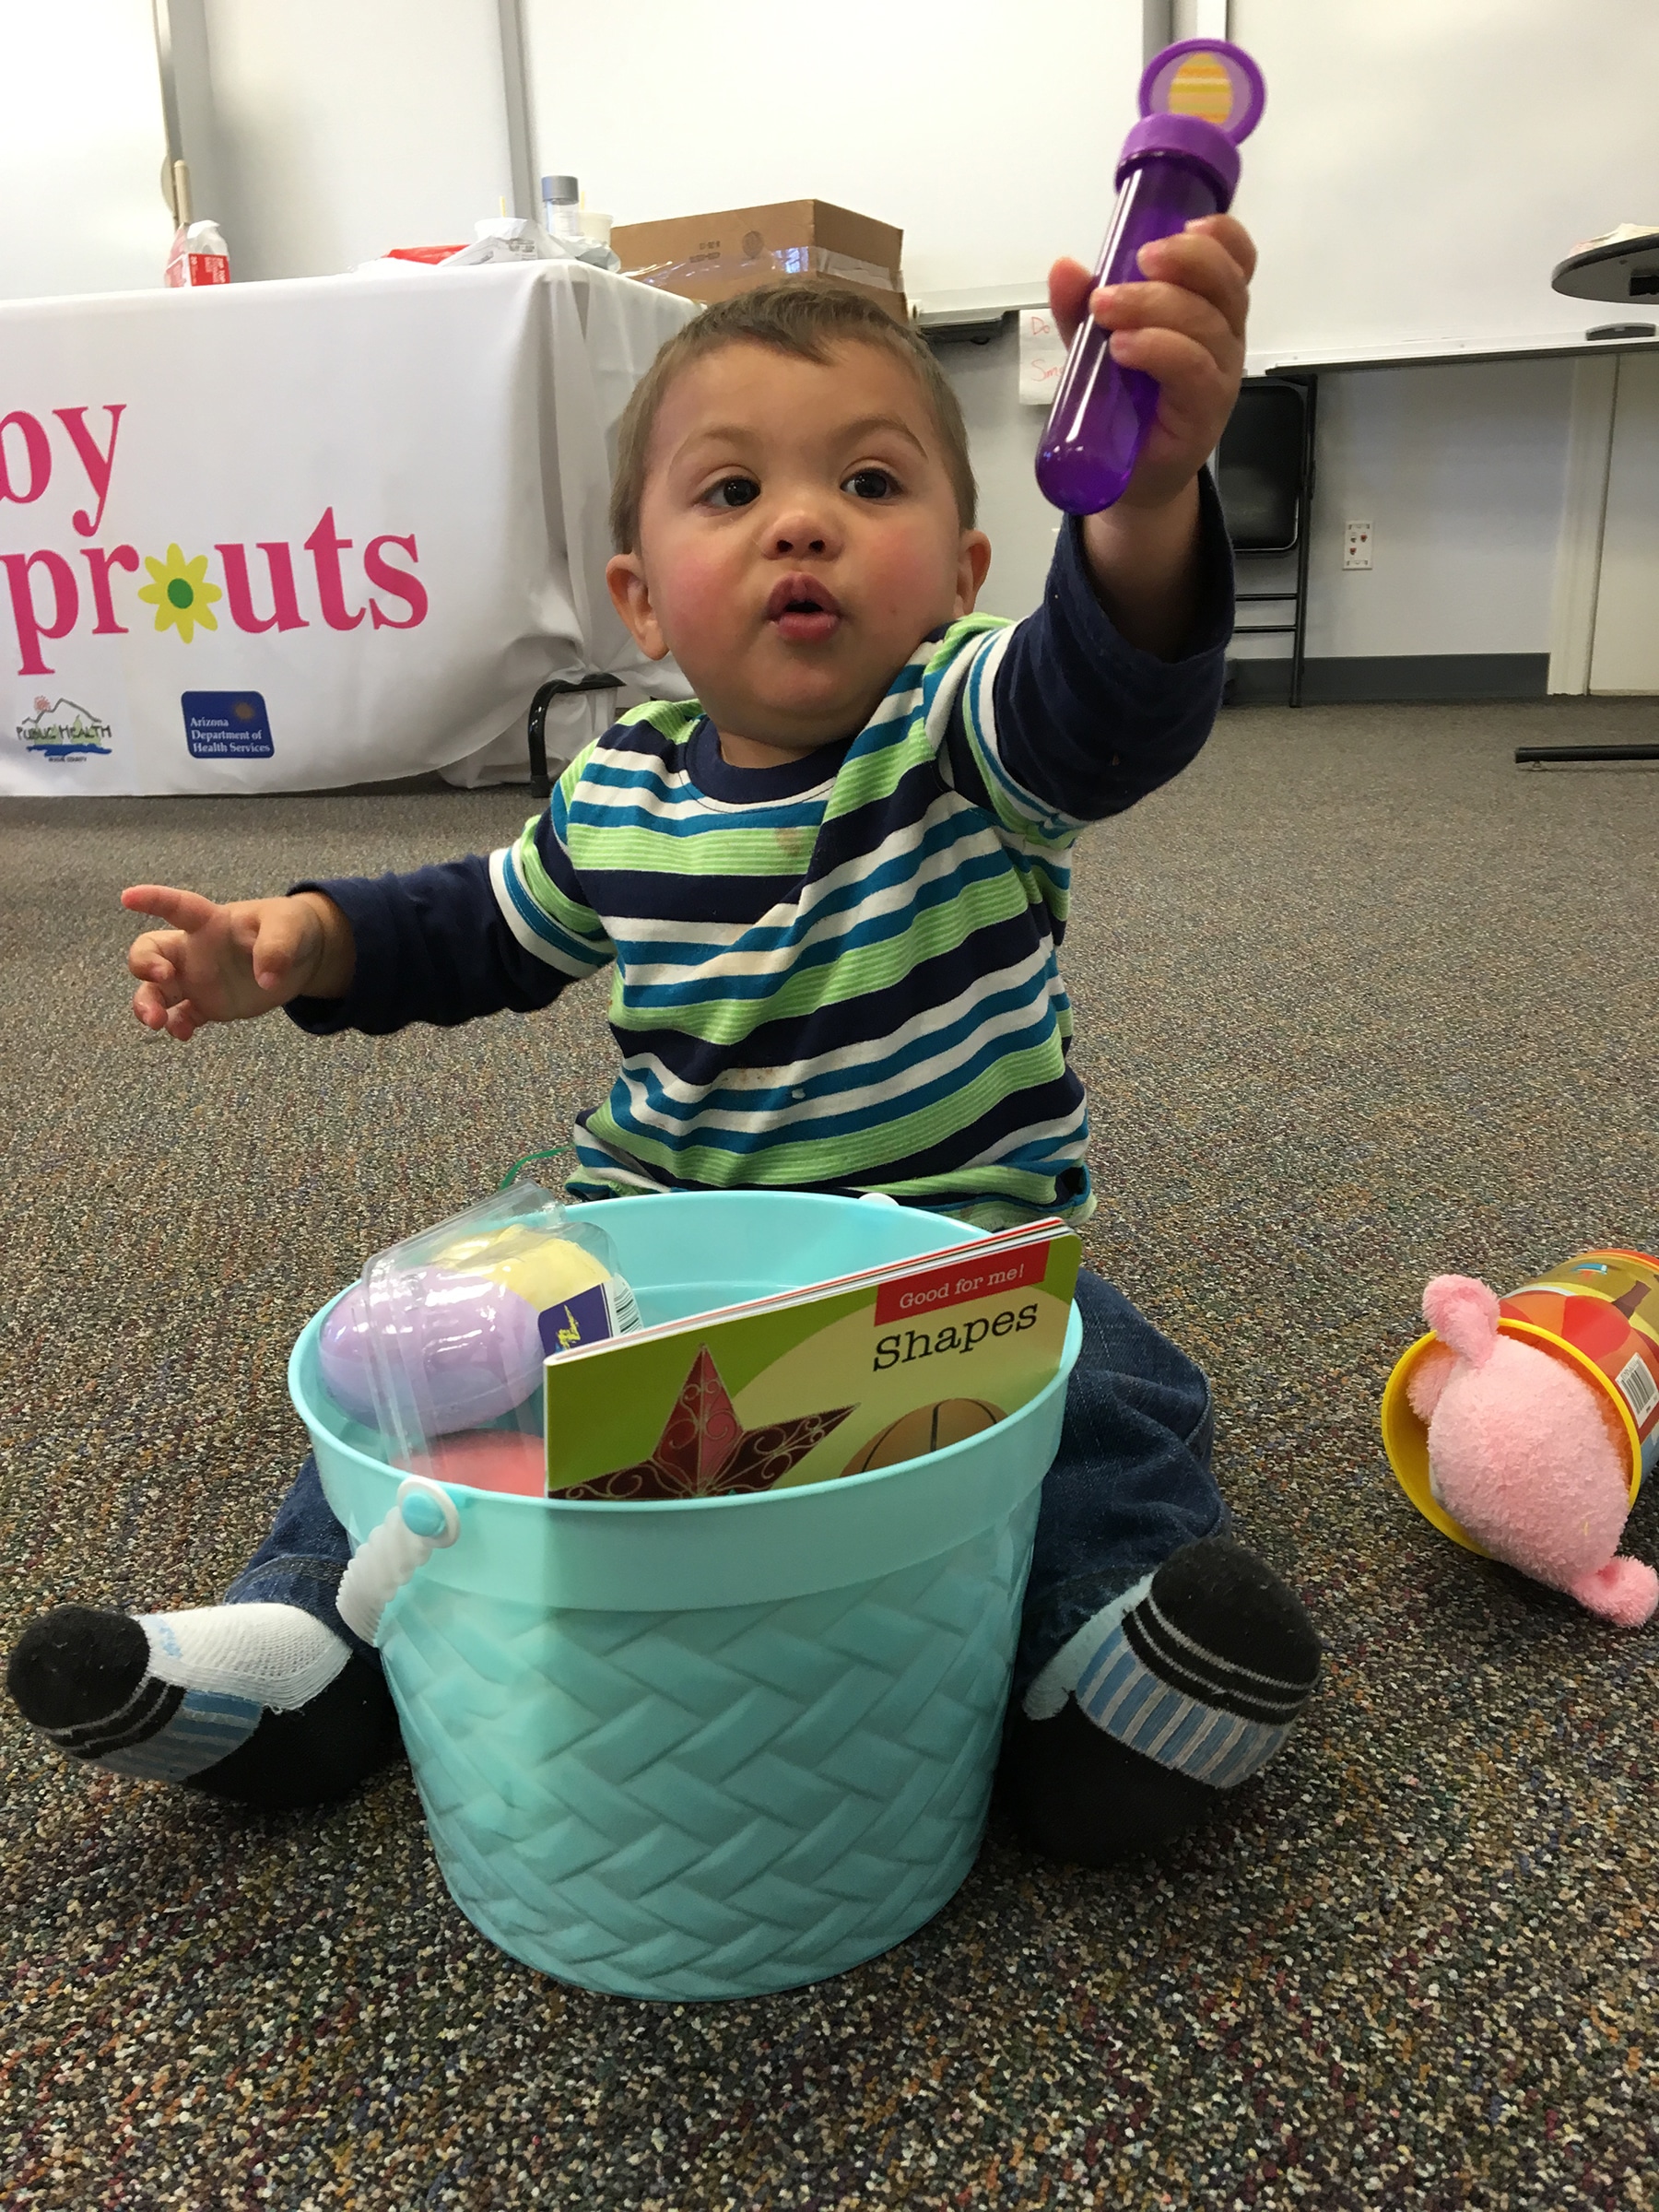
(229, 963)
(1184, 325)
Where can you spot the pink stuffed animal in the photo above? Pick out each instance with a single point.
(1526, 1454)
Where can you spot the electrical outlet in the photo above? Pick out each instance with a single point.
(1357, 545)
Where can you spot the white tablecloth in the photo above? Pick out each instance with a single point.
(285, 536)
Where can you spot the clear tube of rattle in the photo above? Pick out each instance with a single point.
(1101, 413)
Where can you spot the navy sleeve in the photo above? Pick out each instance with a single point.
(432, 945)
(1083, 722)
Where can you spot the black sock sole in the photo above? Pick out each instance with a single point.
(1077, 1794)
(317, 1753)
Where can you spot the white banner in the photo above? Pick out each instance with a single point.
(290, 536)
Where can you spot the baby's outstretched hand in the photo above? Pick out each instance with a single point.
(229, 963)
(1184, 325)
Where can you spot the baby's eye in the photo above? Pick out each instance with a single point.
(731, 492)
(871, 484)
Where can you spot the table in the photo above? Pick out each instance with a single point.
(1306, 368)
(292, 536)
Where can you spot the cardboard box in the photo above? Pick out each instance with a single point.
(711, 257)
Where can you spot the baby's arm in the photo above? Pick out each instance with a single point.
(229, 963)
(450, 943)
(1183, 325)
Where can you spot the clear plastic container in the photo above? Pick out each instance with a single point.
(442, 1346)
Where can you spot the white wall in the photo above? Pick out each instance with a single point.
(1461, 471)
(346, 126)
(1003, 435)
(81, 148)
(987, 129)
(1423, 164)
(1462, 474)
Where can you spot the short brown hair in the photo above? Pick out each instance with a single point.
(803, 319)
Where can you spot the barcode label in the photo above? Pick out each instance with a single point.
(1640, 1391)
(625, 1308)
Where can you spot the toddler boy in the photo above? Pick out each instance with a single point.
(831, 893)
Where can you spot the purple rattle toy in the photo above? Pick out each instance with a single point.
(1197, 100)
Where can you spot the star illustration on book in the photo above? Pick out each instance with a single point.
(705, 1451)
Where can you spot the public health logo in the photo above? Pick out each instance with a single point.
(59, 730)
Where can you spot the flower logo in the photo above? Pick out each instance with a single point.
(179, 592)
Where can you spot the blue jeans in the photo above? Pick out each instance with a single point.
(1130, 1484)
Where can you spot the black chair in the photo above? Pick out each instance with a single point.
(1264, 477)
(541, 784)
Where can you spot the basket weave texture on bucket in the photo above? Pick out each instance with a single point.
(706, 1803)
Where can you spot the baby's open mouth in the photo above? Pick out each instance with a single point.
(806, 611)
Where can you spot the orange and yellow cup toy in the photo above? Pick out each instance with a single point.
(1599, 1312)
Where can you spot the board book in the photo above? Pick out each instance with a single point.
(807, 1385)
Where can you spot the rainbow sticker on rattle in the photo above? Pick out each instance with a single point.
(1199, 101)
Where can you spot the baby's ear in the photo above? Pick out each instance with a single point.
(631, 595)
(1462, 1313)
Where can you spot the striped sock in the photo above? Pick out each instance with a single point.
(260, 1702)
(1180, 1688)
(1170, 1696)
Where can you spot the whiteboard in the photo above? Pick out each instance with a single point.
(987, 129)
(1421, 167)
(1423, 164)
(81, 150)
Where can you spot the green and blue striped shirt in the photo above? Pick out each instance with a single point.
(841, 974)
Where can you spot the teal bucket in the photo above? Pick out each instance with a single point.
(710, 1748)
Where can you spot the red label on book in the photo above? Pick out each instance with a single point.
(913, 1295)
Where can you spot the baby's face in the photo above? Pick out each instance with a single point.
(798, 537)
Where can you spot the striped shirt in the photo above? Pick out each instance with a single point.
(839, 974)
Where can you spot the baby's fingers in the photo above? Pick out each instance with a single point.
(154, 1009)
(154, 957)
(184, 909)
(1196, 263)
(1230, 235)
(182, 1021)
(278, 935)
(1068, 288)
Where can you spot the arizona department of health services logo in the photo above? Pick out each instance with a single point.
(59, 730)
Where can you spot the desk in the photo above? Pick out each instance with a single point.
(1305, 367)
(291, 535)
(1438, 353)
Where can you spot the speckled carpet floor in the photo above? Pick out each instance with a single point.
(1357, 1001)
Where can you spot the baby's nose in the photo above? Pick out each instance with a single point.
(800, 537)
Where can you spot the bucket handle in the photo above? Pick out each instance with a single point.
(423, 1521)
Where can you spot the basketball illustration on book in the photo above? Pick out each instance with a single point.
(925, 1429)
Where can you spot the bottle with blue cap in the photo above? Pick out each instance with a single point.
(1198, 99)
